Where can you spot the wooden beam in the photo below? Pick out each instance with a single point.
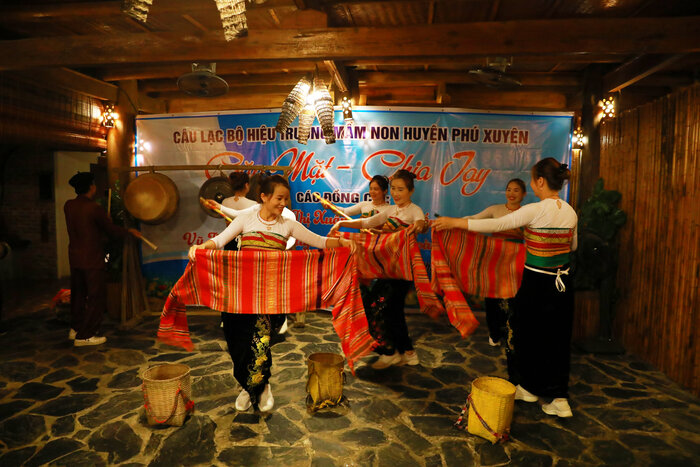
(32, 12)
(235, 102)
(427, 78)
(234, 81)
(80, 83)
(243, 91)
(470, 60)
(636, 69)
(174, 70)
(339, 74)
(500, 99)
(573, 36)
(148, 104)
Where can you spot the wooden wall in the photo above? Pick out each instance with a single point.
(651, 155)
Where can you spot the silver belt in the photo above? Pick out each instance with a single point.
(558, 282)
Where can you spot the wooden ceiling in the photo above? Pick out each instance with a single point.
(413, 52)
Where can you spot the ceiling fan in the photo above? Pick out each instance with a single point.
(202, 81)
(494, 73)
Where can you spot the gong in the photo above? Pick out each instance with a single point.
(151, 198)
(218, 189)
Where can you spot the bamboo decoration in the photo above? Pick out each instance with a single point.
(306, 119)
(293, 104)
(209, 204)
(233, 19)
(323, 103)
(137, 9)
(148, 242)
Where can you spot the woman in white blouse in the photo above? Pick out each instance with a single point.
(389, 319)
(248, 336)
(543, 311)
(378, 188)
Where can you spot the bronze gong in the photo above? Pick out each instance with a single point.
(218, 189)
(151, 198)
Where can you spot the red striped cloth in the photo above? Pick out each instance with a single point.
(475, 264)
(396, 256)
(269, 282)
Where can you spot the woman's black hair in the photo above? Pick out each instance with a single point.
(553, 171)
(238, 180)
(382, 181)
(268, 184)
(519, 182)
(406, 176)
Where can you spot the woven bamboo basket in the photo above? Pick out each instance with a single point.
(306, 120)
(293, 104)
(324, 110)
(325, 383)
(167, 394)
(491, 408)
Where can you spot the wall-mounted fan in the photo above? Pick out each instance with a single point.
(494, 73)
(202, 81)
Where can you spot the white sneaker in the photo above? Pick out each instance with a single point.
(492, 343)
(243, 401)
(559, 407)
(521, 394)
(283, 329)
(410, 357)
(266, 400)
(94, 340)
(72, 333)
(385, 361)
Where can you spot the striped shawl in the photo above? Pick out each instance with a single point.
(269, 282)
(475, 264)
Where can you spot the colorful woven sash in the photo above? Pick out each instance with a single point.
(396, 256)
(268, 282)
(475, 264)
(393, 224)
(263, 241)
(548, 248)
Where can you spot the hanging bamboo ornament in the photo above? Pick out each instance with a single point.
(293, 104)
(233, 19)
(137, 9)
(306, 119)
(323, 103)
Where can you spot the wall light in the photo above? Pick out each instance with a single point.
(578, 138)
(607, 107)
(347, 111)
(109, 116)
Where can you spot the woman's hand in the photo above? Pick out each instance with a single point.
(334, 229)
(447, 223)
(192, 251)
(345, 242)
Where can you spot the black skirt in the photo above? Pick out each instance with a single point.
(541, 334)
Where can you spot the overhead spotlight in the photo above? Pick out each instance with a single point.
(347, 111)
(607, 107)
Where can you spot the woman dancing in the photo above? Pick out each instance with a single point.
(248, 336)
(543, 311)
(378, 188)
(398, 347)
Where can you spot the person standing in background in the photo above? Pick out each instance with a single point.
(87, 223)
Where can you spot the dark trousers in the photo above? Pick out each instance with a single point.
(248, 339)
(541, 326)
(496, 317)
(397, 337)
(88, 300)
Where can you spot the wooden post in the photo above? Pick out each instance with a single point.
(120, 139)
(590, 155)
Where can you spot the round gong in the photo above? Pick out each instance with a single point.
(151, 198)
(216, 188)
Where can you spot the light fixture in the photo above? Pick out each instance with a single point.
(578, 138)
(347, 111)
(293, 104)
(607, 107)
(323, 103)
(109, 116)
(137, 9)
(232, 14)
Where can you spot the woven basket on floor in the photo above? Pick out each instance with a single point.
(167, 394)
(325, 383)
(491, 408)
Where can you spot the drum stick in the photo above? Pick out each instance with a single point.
(336, 210)
(208, 204)
(149, 243)
(109, 203)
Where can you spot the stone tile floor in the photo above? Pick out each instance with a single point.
(61, 405)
